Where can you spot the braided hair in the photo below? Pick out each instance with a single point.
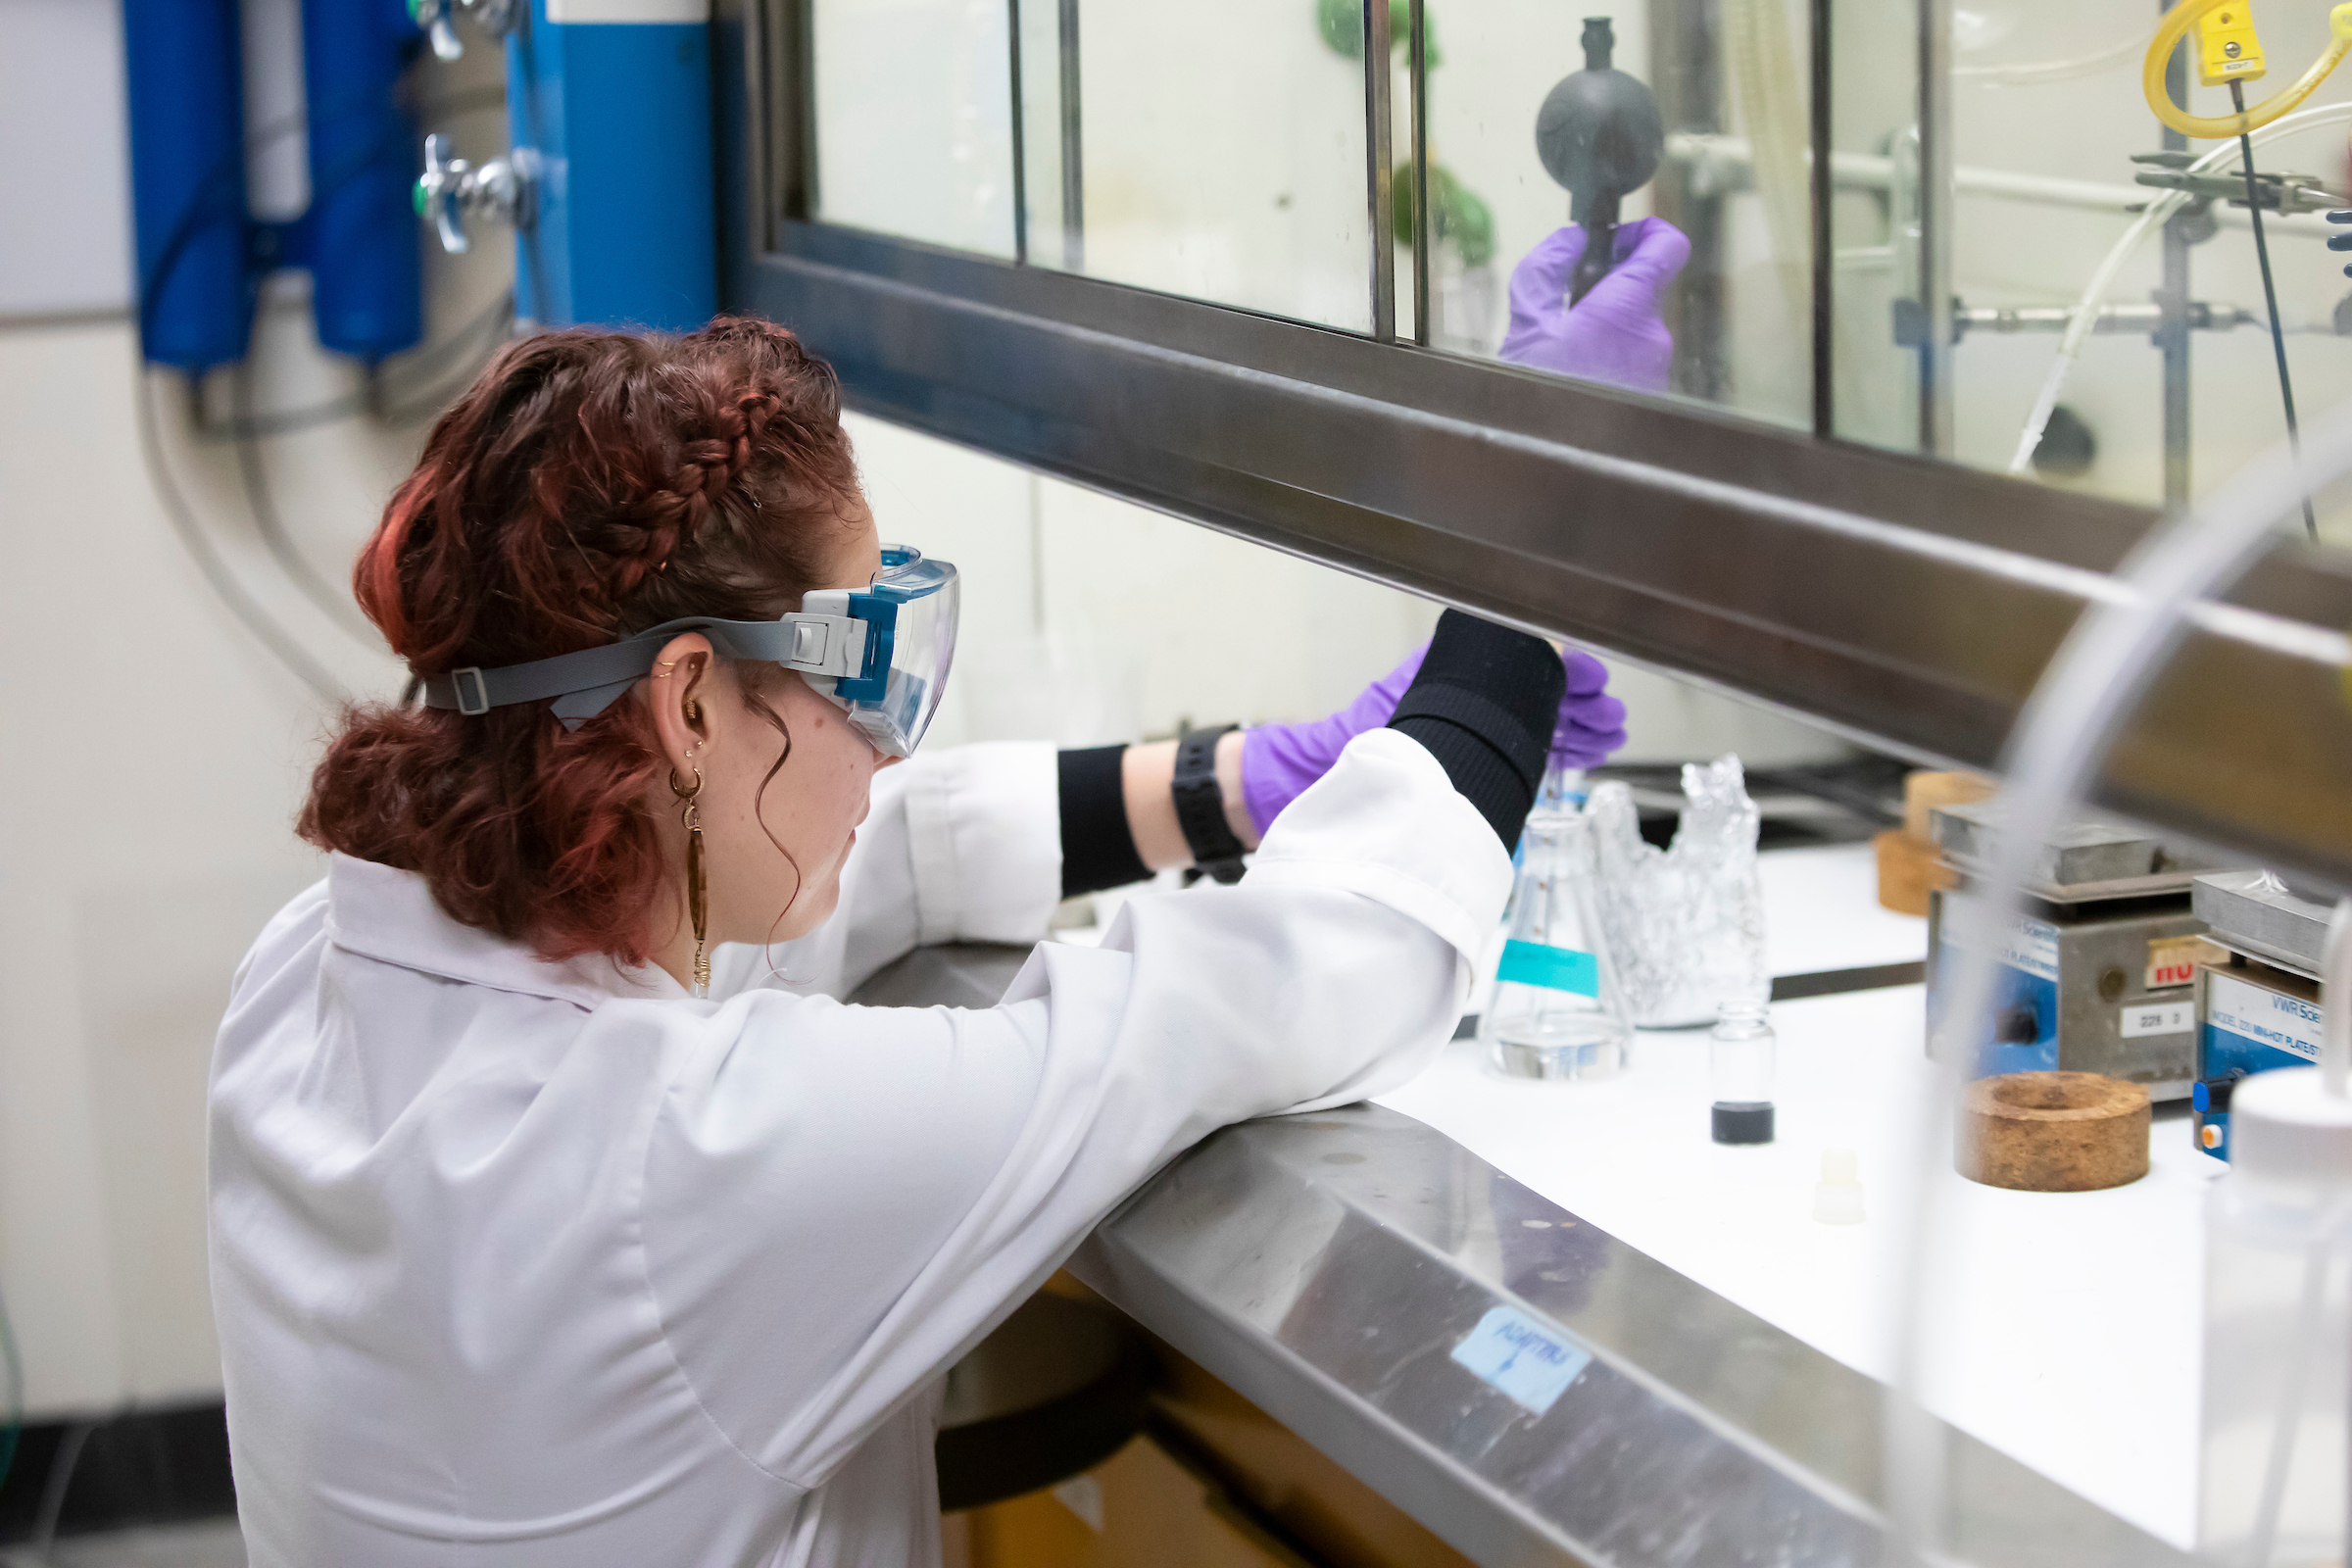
(589, 485)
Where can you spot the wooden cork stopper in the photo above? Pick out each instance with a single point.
(2054, 1132)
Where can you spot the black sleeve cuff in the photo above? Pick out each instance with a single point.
(1098, 849)
(1485, 703)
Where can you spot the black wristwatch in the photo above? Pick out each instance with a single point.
(1201, 805)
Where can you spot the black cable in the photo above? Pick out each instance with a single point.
(2269, 295)
(216, 574)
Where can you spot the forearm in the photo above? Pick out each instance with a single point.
(1146, 774)
(1118, 812)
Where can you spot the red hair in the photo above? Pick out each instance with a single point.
(588, 486)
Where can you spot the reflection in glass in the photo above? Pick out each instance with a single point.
(1689, 118)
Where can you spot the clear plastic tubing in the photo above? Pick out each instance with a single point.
(1553, 1011)
(1740, 1063)
(2062, 737)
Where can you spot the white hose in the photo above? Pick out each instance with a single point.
(2062, 736)
(2086, 313)
(2029, 75)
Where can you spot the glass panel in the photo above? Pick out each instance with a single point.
(914, 119)
(1218, 150)
(1689, 118)
(2052, 144)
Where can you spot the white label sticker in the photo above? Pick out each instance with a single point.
(1520, 1356)
(2020, 943)
(2262, 1015)
(2159, 1018)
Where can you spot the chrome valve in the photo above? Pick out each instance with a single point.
(451, 191)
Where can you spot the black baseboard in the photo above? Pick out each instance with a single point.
(143, 1467)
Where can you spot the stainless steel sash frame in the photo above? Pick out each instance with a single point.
(1908, 601)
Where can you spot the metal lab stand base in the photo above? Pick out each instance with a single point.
(1326, 1267)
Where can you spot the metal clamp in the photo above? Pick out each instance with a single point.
(451, 189)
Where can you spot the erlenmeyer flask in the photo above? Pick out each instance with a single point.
(1554, 1011)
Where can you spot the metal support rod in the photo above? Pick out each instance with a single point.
(2269, 295)
(1020, 126)
(1073, 146)
(1379, 148)
(2172, 336)
(1935, 225)
(793, 67)
(1824, 257)
(1424, 226)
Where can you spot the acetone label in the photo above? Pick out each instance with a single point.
(1515, 1354)
(2262, 1016)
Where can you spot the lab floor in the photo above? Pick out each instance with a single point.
(213, 1543)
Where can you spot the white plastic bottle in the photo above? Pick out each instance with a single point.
(2277, 1386)
(1553, 1011)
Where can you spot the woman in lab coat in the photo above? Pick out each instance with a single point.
(533, 1246)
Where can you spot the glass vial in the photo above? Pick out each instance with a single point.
(1554, 1011)
(2277, 1393)
(1739, 1060)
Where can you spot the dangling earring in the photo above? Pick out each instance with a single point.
(698, 904)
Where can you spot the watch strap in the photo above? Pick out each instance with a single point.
(1201, 805)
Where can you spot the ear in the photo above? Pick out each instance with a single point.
(679, 694)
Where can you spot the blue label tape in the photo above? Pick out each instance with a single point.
(1531, 964)
(1512, 1352)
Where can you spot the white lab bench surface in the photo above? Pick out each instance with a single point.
(2062, 1329)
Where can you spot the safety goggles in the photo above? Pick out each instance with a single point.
(880, 652)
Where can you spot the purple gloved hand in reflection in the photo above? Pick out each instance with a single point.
(1613, 333)
(1280, 760)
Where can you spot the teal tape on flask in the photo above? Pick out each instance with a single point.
(1531, 964)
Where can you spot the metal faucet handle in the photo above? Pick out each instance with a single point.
(437, 19)
(451, 189)
(433, 18)
(440, 193)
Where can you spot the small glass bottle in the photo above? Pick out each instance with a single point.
(2277, 1384)
(1739, 1061)
(1554, 1011)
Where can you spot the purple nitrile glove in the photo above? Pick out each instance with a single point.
(1613, 333)
(1280, 760)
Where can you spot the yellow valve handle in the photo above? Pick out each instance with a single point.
(2219, 128)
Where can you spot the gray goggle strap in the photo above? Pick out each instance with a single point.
(587, 683)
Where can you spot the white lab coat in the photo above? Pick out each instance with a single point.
(553, 1266)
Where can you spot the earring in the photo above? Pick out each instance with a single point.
(694, 711)
(697, 903)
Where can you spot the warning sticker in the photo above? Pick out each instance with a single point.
(2173, 961)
